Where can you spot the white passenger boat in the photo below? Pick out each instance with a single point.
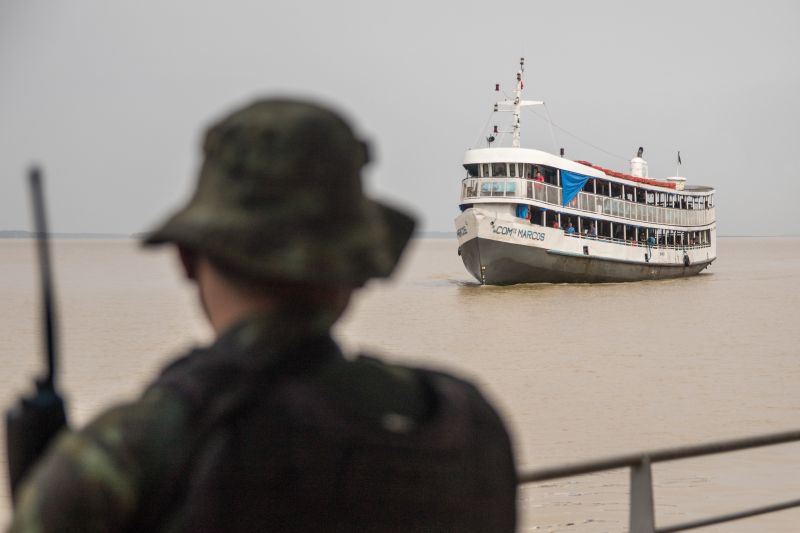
(531, 216)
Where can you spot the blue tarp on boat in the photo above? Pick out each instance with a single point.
(571, 185)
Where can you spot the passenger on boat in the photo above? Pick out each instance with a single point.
(538, 179)
(570, 229)
(555, 224)
(593, 231)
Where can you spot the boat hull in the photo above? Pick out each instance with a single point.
(500, 263)
(498, 251)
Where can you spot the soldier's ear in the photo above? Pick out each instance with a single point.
(189, 262)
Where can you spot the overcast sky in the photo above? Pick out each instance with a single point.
(111, 97)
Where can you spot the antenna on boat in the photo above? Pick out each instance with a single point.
(515, 106)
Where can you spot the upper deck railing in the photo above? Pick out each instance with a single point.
(518, 188)
(642, 513)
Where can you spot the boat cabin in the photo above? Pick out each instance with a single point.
(644, 212)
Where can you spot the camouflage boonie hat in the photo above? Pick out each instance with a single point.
(279, 197)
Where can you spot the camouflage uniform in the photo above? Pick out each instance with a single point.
(271, 428)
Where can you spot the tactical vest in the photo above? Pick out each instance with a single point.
(286, 458)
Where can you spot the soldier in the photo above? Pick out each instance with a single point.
(271, 428)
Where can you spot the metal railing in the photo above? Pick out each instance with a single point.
(642, 513)
(476, 188)
(659, 245)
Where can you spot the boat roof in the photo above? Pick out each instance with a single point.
(527, 155)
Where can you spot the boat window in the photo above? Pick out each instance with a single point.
(472, 170)
(485, 170)
(497, 188)
(512, 170)
(472, 188)
(498, 169)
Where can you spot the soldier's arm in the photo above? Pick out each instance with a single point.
(94, 480)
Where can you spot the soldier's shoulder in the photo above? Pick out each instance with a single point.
(418, 373)
(446, 385)
(109, 461)
(156, 409)
(374, 386)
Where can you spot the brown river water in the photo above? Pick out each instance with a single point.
(578, 371)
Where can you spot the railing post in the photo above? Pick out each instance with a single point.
(642, 516)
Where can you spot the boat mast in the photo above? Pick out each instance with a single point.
(518, 104)
(515, 106)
